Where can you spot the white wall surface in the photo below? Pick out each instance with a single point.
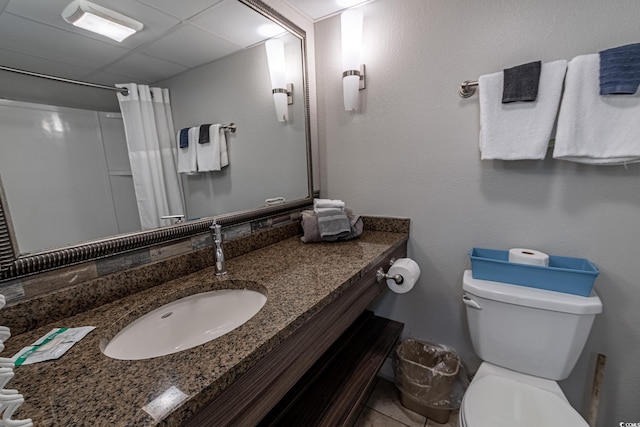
(413, 152)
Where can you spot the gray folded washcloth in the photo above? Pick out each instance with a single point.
(521, 83)
(312, 233)
(333, 224)
(620, 70)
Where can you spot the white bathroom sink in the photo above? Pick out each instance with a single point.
(185, 323)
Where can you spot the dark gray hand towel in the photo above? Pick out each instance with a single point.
(620, 70)
(203, 138)
(521, 83)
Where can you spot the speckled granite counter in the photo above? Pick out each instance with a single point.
(85, 387)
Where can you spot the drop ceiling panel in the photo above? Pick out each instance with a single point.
(49, 12)
(319, 9)
(34, 63)
(111, 79)
(182, 9)
(48, 42)
(190, 46)
(236, 21)
(146, 68)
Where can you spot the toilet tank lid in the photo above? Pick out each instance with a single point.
(531, 297)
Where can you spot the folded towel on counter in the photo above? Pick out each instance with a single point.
(210, 156)
(187, 161)
(620, 70)
(311, 229)
(594, 129)
(183, 138)
(327, 203)
(519, 131)
(521, 83)
(204, 133)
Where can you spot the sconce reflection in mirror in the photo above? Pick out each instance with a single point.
(353, 77)
(282, 91)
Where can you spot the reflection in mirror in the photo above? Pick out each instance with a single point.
(67, 167)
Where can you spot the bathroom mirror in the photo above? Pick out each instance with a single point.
(247, 147)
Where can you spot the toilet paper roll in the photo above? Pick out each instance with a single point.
(528, 256)
(409, 270)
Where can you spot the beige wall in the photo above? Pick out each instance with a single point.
(413, 151)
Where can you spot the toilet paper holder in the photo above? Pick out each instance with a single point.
(381, 275)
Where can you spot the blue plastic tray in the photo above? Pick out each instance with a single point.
(569, 275)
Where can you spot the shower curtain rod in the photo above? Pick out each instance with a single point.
(122, 90)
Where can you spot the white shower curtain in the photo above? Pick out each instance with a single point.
(148, 125)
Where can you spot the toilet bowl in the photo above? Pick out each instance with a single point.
(528, 340)
(498, 397)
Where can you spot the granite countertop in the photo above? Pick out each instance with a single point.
(85, 387)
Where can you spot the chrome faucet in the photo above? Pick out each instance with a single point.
(218, 255)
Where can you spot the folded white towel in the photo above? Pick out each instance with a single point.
(187, 162)
(328, 203)
(519, 130)
(596, 129)
(212, 155)
(209, 152)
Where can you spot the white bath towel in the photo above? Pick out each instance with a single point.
(212, 155)
(596, 129)
(187, 162)
(519, 130)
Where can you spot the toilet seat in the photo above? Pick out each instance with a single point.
(495, 401)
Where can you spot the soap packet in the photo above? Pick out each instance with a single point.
(51, 346)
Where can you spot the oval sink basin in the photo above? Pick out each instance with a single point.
(185, 323)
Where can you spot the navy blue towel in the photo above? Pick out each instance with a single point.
(620, 70)
(521, 83)
(204, 134)
(184, 138)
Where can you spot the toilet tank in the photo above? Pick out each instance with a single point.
(528, 330)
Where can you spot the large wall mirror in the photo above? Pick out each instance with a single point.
(68, 191)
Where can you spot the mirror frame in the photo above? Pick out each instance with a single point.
(13, 265)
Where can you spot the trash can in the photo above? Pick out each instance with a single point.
(428, 378)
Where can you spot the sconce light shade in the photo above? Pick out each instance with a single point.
(101, 20)
(351, 30)
(277, 68)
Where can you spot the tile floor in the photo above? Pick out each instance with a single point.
(383, 409)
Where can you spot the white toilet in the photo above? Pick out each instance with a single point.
(528, 339)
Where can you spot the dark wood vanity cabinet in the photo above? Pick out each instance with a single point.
(321, 374)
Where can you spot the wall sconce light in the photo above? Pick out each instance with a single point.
(353, 77)
(282, 91)
(101, 20)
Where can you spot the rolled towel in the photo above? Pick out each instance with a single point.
(310, 227)
(327, 203)
(333, 224)
(521, 83)
(620, 70)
